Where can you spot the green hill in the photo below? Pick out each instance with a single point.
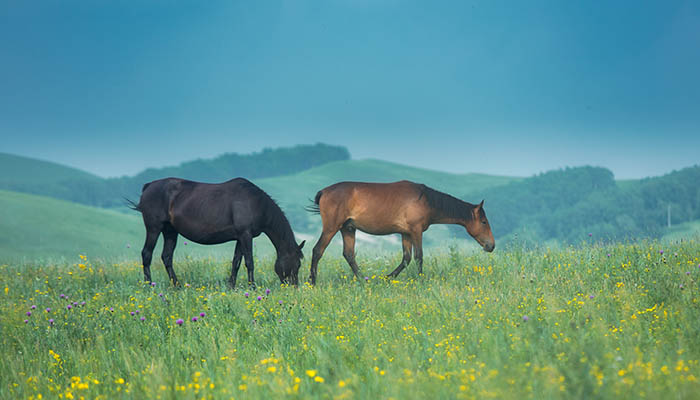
(41, 228)
(34, 227)
(27, 175)
(15, 170)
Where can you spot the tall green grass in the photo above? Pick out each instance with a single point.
(590, 321)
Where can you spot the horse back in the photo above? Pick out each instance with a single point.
(374, 207)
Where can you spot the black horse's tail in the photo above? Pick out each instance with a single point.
(315, 208)
(132, 205)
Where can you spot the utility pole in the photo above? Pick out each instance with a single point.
(669, 215)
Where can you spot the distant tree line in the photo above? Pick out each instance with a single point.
(267, 163)
(571, 204)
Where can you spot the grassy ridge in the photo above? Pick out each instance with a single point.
(24, 170)
(686, 231)
(36, 227)
(616, 321)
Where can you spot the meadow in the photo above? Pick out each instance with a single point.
(586, 321)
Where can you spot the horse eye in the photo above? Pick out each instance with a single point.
(483, 222)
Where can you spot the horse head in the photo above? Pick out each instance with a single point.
(478, 227)
(287, 265)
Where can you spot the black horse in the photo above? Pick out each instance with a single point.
(216, 213)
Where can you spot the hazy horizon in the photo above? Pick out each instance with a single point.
(358, 159)
(458, 86)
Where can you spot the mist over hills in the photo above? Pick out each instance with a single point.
(562, 206)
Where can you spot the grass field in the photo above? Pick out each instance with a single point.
(683, 231)
(590, 321)
(35, 226)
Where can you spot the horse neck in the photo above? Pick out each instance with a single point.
(282, 237)
(458, 214)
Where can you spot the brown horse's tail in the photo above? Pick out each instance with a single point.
(315, 208)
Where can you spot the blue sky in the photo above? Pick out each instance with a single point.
(498, 87)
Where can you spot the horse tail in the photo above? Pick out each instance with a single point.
(132, 205)
(315, 208)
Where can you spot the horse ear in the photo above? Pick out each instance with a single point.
(481, 205)
(301, 245)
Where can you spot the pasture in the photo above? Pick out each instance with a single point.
(590, 321)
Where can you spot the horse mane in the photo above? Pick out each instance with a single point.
(449, 206)
(276, 219)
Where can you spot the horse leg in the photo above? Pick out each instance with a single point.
(246, 242)
(319, 248)
(417, 239)
(147, 252)
(348, 233)
(235, 265)
(406, 243)
(170, 241)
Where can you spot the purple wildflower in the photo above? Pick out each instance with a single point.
(82, 303)
(608, 254)
(590, 234)
(51, 321)
(202, 314)
(29, 313)
(591, 297)
(267, 291)
(687, 272)
(194, 319)
(280, 301)
(526, 318)
(680, 286)
(160, 294)
(153, 284)
(179, 322)
(26, 321)
(69, 306)
(138, 311)
(63, 296)
(246, 294)
(259, 298)
(128, 246)
(48, 310)
(111, 309)
(366, 278)
(132, 313)
(185, 242)
(143, 318)
(661, 252)
(33, 307)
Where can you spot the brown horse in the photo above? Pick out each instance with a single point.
(383, 208)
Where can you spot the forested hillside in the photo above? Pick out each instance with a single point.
(572, 203)
(27, 175)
